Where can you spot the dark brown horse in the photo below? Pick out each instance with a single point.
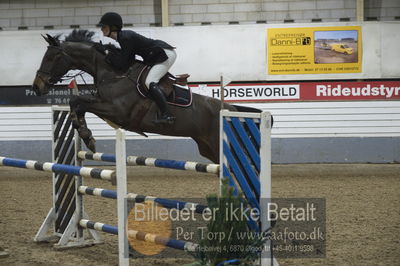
(117, 100)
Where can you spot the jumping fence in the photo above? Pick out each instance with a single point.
(245, 160)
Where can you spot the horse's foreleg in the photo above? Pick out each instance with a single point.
(108, 111)
(79, 106)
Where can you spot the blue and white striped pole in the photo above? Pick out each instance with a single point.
(59, 168)
(154, 162)
(167, 203)
(147, 237)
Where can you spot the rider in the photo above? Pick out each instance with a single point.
(156, 53)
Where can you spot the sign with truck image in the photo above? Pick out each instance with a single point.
(337, 47)
(314, 50)
(341, 48)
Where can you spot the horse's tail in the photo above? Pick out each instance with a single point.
(240, 108)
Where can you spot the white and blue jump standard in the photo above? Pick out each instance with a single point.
(245, 157)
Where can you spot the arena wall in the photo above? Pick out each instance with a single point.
(39, 14)
(322, 131)
(205, 52)
(304, 132)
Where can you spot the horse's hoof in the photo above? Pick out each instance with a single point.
(91, 144)
(75, 124)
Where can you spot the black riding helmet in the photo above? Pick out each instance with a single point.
(113, 20)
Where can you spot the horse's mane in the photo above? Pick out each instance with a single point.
(80, 36)
(85, 36)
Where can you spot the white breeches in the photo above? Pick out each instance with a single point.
(159, 70)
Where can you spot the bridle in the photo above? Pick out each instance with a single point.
(66, 57)
(69, 61)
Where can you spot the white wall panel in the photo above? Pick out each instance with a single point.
(390, 36)
(207, 51)
(334, 119)
(294, 120)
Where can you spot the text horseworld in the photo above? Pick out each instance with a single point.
(251, 92)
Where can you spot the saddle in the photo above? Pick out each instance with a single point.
(175, 88)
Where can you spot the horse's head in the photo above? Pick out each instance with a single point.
(55, 64)
(77, 51)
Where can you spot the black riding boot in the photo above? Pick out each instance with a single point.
(161, 101)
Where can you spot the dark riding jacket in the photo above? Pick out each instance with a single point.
(133, 44)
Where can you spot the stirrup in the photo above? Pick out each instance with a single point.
(165, 119)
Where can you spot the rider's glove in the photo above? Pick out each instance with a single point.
(101, 48)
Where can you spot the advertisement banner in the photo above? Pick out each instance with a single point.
(243, 92)
(316, 50)
(24, 95)
(304, 91)
(353, 91)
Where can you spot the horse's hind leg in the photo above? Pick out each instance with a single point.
(208, 150)
(78, 109)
